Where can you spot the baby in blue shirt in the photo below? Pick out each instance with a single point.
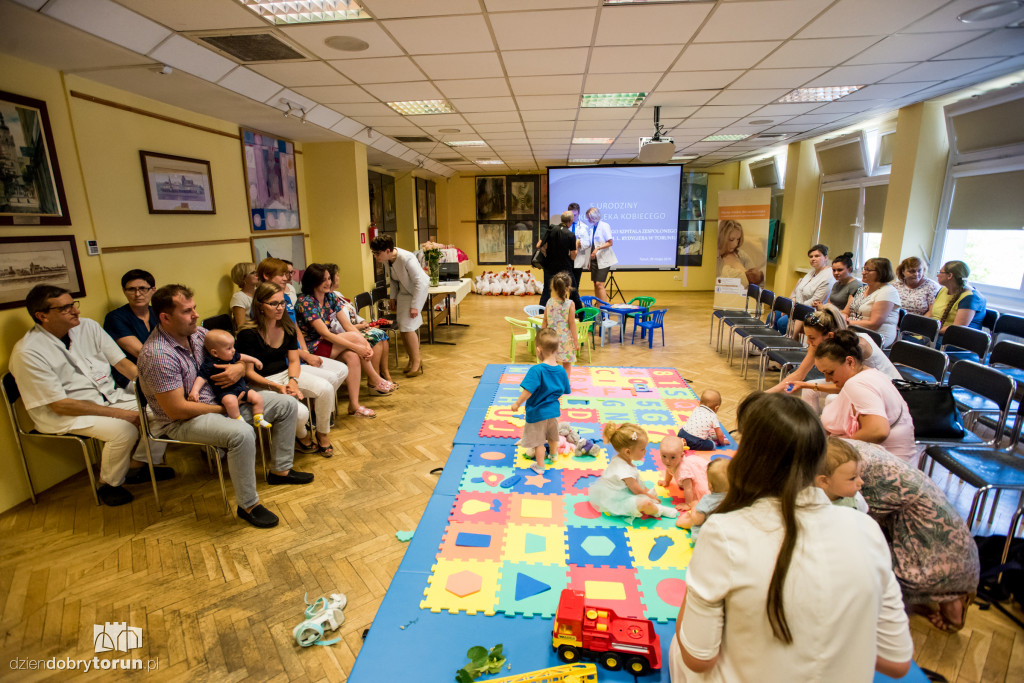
(544, 383)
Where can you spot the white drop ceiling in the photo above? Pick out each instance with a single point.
(515, 69)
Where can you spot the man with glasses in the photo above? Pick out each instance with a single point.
(131, 324)
(63, 370)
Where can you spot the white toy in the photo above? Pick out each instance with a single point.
(322, 615)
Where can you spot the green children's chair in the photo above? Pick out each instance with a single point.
(528, 334)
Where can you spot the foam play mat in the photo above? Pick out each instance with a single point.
(497, 543)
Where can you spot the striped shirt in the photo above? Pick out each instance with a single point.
(166, 365)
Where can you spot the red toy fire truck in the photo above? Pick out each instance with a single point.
(616, 642)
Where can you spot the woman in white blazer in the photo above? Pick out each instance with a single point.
(602, 257)
(409, 285)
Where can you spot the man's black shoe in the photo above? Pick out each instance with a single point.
(293, 477)
(140, 475)
(260, 517)
(114, 495)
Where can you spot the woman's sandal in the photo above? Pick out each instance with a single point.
(326, 451)
(362, 411)
(383, 388)
(305, 447)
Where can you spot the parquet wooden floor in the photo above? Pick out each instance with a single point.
(217, 599)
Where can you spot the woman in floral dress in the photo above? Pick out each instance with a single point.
(934, 557)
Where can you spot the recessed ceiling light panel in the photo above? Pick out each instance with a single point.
(583, 161)
(828, 94)
(306, 11)
(992, 10)
(422, 107)
(490, 161)
(725, 137)
(466, 143)
(592, 141)
(613, 99)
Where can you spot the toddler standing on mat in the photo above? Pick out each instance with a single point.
(618, 491)
(690, 471)
(560, 316)
(718, 482)
(543, 385)
(702, 431)
(841, 479)
(220, 349)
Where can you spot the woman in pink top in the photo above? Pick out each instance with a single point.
(868, 407)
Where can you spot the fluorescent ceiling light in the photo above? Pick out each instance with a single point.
(990, 11)
(489, 161)
(726, 137)
(583, 161)
(685, 157)
(306, 11)
(466, 143)
(421, 107)
(650, 2)
(592, 141)
(613, 99)
(828, 94)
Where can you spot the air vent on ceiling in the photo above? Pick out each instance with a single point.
(449, 160)
(413, 138)
(774, 136)
(252, 47)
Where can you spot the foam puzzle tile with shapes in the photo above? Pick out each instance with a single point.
(501, 429)
(576, 482)
(528, 589)
(536, 544)
(537, 509)
(437, 597)
(613, 587)
(472, 541)
(662, 591)
(486, 479)
(598, 547)
(499, 454)
(643, 541)
(480, 507)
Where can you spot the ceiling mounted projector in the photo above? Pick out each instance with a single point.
(657, 149)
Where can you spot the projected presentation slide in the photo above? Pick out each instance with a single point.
(639, 203)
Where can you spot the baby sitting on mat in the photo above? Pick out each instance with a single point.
(220, 349)
(702, 431)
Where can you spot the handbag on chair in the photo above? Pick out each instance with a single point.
(932, 409)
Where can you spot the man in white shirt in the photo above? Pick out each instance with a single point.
(62, 367)
(584, 239)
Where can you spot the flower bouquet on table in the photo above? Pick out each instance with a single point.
(432, 253)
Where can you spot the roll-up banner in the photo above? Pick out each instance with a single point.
(742, 244)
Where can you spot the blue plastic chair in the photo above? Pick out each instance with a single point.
(652, 321)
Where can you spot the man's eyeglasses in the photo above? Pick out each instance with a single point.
(139, 290)
(274, 304)
(67, 308)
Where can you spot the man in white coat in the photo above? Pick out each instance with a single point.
(584, 236)
(602, 257)
(409, 283)
(62, 367)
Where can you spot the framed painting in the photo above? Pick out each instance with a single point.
(690, 250)
(177, 184)
(521, 240)
(432, 207)
(270, 181)
(286, 247)
(490, 244)
(390, 215)
(376, 199)
(523, 198)
(28, 261)
(31, 189)
(490, 198)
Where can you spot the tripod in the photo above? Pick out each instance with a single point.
(613, 289)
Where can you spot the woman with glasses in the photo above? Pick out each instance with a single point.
(818, 327)
(957, 302)
(244, 277)
(272, 338)
(876, 304)
(917, 292)
(130, 325)
(846, 284)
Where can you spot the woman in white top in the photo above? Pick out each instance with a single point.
(409, 284)
(819, 326)
(876, 304)
(244, 277)
(783, 585)
(813, 288)
(584, 240)
(602, 258)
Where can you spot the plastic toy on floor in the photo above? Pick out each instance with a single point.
(566, 673)
(582, 630)
(323, 615)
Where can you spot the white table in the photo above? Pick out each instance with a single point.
(453, 293)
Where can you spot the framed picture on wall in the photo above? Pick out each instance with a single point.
(490, 198)
(29, 261)
(177, 184)
(290, 247)
(270, 181)
(432, 207)
(376, 199)
(490, 244)
(690, 249)
(390, 214)
(522, 237)
(31, 189)
(522, 198)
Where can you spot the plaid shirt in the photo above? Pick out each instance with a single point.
(165, 365)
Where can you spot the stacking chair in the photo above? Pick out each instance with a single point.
(593, 301)
(533, 310)
(920, 328)
(788, 360)
(608, 322)
(977, 389)
(918, 363)
(753, 298)
(986, 469)
(1008, 358)
(363, 300)
(875, 337)
(89, 446)
(767, 344)
(528, 335)
(965, 343)
(582, 330)
(644, 302)
(990, 319)
(765, 301)
(1012, 325)
(591, 315)
(782, 306)
(378, 296)
(224, 321)
(650, 323)
(147, 436)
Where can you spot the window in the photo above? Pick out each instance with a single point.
(981, 218)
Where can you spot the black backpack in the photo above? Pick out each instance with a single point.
(991, 588)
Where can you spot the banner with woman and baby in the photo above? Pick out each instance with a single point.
(742, 244)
